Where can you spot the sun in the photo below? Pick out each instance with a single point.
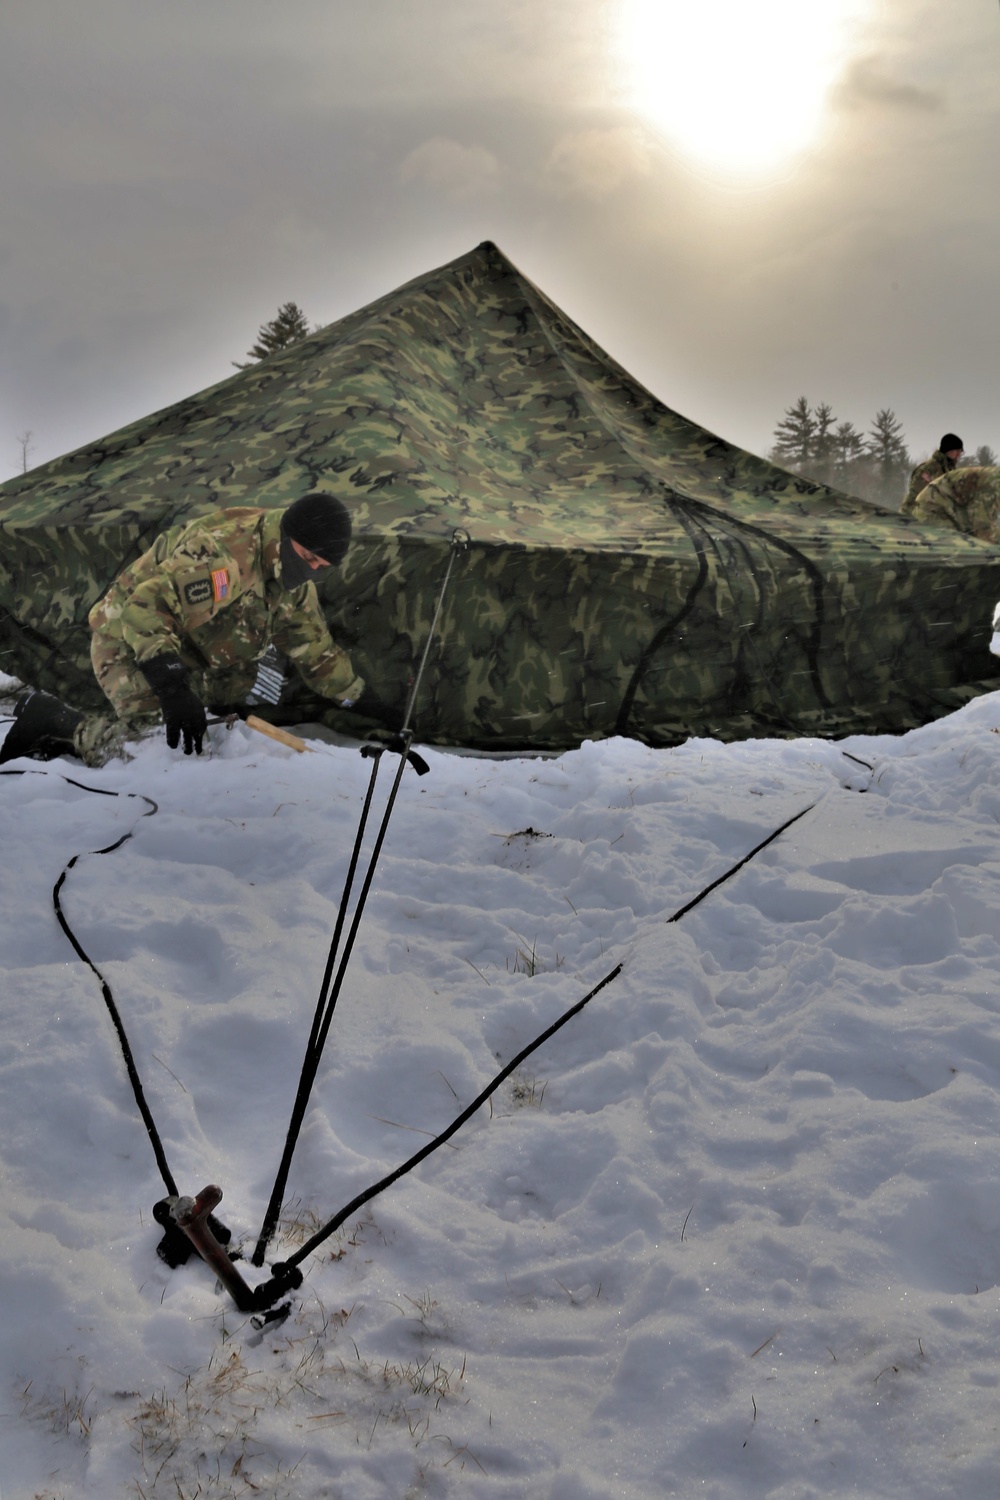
(738, 87)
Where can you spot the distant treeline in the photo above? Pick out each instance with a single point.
(875, 465)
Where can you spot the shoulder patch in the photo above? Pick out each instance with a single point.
(207, 588)
(198, 591)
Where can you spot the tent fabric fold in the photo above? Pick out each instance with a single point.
(628, 573)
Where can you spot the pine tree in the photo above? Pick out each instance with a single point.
(26, 447)
(984, 456)
(793, 436)
(874, 466)
(890, 460)
(288, 327)
(848, 446)
(821, 458)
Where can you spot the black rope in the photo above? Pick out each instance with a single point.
(130, 1067)
(325, 1009)
(704, 540)
(805, 563)
(439, 1140)
(694, 516)
(342, 913)
(460, 542)
(665, 631)
(327, 1000)
(683, 911)
(322, 1017)
(109, 1000)
(282, 1267)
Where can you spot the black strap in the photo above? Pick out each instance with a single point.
(439, 1140)
(372, 1192)
(130, 1067)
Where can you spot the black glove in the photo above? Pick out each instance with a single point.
(183, 713)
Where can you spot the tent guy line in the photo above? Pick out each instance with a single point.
(130, 1065)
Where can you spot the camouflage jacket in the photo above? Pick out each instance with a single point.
(210, 591)
(967, 499)
(923, 473)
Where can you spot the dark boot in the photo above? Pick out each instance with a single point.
(42, 729)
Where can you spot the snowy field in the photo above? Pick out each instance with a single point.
(733, 1232)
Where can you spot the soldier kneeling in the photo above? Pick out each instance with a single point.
(183, 629)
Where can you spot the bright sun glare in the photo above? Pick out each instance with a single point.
(737, 86)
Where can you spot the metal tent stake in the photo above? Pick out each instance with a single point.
(192, 1215)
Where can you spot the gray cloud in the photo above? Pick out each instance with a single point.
(866, 84)
(594, 162)
(457, 170)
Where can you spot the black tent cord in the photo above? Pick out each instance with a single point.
(282, 1267)
(708, 889)
(701, 520)
(372, 1192)
(130, 1067)
(327, 1000)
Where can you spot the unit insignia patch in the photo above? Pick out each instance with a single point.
(198, 591)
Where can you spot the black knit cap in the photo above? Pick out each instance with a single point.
(321, 523)
(949, 443)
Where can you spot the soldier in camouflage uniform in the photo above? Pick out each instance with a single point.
(942, 461)
(967, 499)
(186, 624)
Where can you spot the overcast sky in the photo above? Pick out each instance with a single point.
(742, 203)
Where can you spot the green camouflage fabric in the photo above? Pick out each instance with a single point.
(923, 473)
(627, 572)
(967, 499)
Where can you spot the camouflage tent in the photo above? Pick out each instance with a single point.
(627, 572)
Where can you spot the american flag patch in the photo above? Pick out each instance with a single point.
(220, 583)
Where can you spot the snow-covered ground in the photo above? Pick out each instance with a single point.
(734, 1231)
